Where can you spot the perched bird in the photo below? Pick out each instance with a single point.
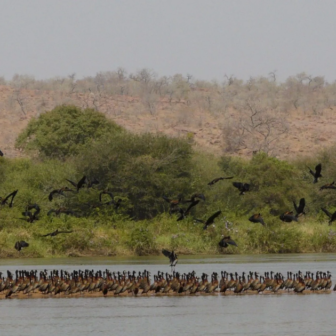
(20, 245)
(1, 154)
(300, 209)
(328, 186)
(59, 211)
(32, 216)
(332, 216)
(4, 200)
(210, 220)
(226, 241)
(172, 257)
(55, 233)
(219, 179)
(317, 173)
(288, 217)
(257, 218)
(242, 187)
(59, 192)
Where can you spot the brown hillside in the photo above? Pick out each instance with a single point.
(211, 116)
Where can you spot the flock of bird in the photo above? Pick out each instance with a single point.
(32, 211)
(87, 282)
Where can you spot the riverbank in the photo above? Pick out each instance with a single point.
(187, 237)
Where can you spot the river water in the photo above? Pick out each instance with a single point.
(199, 315)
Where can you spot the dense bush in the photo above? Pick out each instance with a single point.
(64, 131)
(142, 168)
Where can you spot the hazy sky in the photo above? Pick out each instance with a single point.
(207, 39)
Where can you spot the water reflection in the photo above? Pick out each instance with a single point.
(211, 315)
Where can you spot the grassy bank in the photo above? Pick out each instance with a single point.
(95, 237)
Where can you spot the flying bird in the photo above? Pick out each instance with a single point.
(257, 218)
(226, 241)
(32, 216)
(332, 216)
(172, 257)
(19, 245)
(219, 179)
(59, 192)
(300, 209)
(210, 220)
(317, 173)
(328, 186)
(4, 200)
(242, 187)
(288, 217)
(55, 233)
(173, 202)
(79, 184)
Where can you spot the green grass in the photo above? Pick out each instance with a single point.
(91, 237)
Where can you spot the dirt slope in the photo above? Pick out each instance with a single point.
(305, 136)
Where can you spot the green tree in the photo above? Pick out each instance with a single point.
(64, 131)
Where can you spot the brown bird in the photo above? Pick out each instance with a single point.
(329, 186)
(173, 202)
(4, 200)
(210, 220)
(226, 241)
(219, 179)
(317, 173)
(19, 245)
(288, 217)
(257, 218)
(242, 187)
(55, 233)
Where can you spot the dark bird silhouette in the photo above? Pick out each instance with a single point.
(219, 179)
(172, 257)
(328, 186)
(19, 245)
(59, 211)
(31, 216)
(300, 209)
(59, 192)
(317, 173)
(79, 184)
(332, 216)
(1, 154)
(116, 203)
(173, 202)
(210, 220)
(55, 233)
(257, 218)
(288, 217)
(4, 200)
(226, 241)
(194, 196)
(242, 187)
